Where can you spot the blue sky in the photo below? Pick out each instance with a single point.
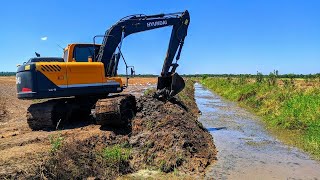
(225, 36)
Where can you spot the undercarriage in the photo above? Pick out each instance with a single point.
(116, 110)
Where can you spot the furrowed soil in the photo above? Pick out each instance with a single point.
(163, 137)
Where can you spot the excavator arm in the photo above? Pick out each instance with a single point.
(169, 82)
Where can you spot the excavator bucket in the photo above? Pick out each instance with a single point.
(177, 84)
(171, 85)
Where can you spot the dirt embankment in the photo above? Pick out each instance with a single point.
(163, 136)
(167, 136)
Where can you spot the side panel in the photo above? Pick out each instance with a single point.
(83, 74)
(54, 71)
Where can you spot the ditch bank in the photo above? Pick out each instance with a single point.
(164, 137)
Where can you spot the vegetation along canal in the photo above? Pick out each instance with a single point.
(245, 149)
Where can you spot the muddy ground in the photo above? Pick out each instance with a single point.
(164, 136)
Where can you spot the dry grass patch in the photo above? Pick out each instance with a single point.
(3, 109)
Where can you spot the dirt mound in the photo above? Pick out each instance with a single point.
(166, 135)
(100, 156)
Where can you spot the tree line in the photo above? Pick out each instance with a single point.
(7, 73)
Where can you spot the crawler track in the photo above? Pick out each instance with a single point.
(115, 110)
(43, 115)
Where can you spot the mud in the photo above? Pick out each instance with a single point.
(245, 149)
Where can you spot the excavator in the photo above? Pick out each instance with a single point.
(85, 79)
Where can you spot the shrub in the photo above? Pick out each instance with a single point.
(259, 77)
(56, 142)
(272, 79)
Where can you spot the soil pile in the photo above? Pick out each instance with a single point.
(166, 135)
(103, 156)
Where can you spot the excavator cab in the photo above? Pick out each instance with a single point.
(80, 52)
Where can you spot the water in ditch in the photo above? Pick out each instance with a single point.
(245, 149)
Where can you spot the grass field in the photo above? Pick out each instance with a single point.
(290, 107)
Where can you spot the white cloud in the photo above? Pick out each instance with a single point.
(44, 38)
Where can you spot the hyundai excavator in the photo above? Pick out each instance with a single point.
(86, 79)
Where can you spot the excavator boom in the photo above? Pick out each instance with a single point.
(169, 82)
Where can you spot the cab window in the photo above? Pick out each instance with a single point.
(81, 53)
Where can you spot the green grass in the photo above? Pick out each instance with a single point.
(149, 91)
(56, 142)
(186, 95)
(287, 108)
(116, 154)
